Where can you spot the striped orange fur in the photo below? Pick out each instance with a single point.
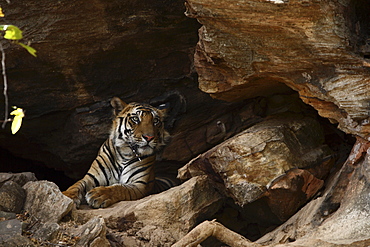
(123, 168)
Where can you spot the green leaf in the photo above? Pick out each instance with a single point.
(31, 50)
(11, 32)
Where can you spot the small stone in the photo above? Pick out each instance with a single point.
(93, 233)
(9, 228)
(17, 241)
(45, 231)
(156, 236)
(12, 197)
(7, 215)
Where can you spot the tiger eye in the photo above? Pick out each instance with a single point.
(135, 119)
(156, 121)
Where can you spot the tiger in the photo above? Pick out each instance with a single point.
(123, 169)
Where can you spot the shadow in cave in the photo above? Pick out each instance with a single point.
(13, 164)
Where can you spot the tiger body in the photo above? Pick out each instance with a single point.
(123, 168)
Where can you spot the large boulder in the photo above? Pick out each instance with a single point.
(163, 218)
(249, 163)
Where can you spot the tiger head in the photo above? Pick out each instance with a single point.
(138, 129)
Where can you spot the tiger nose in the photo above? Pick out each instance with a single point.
(148, 138)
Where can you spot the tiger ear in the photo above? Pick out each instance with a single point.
(164, 109)
(118, 105)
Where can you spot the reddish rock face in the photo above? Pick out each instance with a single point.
(286, 195)
(320, 49)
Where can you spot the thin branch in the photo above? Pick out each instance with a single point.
(5, 86)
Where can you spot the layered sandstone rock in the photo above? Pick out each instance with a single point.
(263, 161)
(338, 218)
(318, 48)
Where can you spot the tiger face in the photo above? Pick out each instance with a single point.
(138, 129)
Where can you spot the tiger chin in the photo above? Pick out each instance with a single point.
(123, 169)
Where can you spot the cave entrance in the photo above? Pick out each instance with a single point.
(255, 219)
(248, 220)
(14, 164)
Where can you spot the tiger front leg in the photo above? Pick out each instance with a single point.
(104, 196)
(75, 192)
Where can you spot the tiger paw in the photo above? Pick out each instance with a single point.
(74, 196)
(100, 197)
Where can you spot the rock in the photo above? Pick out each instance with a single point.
(7, 215)
(45, 202)
(291, 191)
(12, 197)
(174, 211)
(9, 229)
(318, 48)
(17, 241)
(249, 162)
(45, 231)
(340, 217)
(214, 124)
(19, 178)
(93, 233)
(354, 211)
(47, 206)
(155, 236)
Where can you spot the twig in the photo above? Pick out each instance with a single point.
(5, 86)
